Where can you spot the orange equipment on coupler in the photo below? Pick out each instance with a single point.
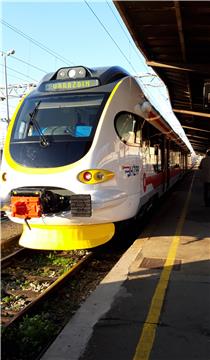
(26, 207)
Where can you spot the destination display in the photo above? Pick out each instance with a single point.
(70, 85)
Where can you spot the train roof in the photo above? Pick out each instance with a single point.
(162, 106)
(106, 75)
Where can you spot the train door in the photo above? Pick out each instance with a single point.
(164, 163)
(165, 160)
(128, 128)
(167, 163)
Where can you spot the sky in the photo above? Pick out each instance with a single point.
(82, 33)
(51, 34)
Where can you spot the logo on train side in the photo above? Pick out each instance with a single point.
(130, 170)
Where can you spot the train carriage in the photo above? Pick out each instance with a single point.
(85, 150)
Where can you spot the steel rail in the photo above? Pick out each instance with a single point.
(5, 261)
(52, 287)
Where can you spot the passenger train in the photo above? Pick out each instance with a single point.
(84, 151)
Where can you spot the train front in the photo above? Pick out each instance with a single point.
(48, 173)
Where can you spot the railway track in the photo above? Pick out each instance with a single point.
(28, 277)
(28, 333)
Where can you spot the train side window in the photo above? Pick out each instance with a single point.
(152, 143)
(128, 128)
(175, 156)
(156, 157)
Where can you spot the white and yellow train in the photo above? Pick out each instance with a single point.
(85, 150)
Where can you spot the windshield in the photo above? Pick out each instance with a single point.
(57, 119)
(75, 116)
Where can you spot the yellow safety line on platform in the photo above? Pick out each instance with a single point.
(147, 337)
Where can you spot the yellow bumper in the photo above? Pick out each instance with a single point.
(64, 237)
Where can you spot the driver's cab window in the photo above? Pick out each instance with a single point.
(55, 120)
(128, 128)
(52, 119)
(65, 118)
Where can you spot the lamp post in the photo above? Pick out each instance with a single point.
(5, 54)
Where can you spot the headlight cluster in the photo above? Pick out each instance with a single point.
(95, 176)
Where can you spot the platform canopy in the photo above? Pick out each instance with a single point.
(174, 37)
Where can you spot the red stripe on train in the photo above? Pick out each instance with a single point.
(158, 179)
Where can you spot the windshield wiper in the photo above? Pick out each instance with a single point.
(43, 140)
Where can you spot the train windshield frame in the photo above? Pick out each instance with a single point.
(57, 129)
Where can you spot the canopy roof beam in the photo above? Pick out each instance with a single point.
(198, 68)
(193, 128)
(190, 112)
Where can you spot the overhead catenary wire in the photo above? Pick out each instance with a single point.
(126, 35)
(18, 72)
(137, 51)
(57, 56)
(37, 43)
(103, 26)
(14, 77)
(33, 66)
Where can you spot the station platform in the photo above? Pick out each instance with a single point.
(155, 302)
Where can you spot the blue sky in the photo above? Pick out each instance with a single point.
(89, 33)
(71, 30)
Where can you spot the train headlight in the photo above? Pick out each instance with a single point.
(99, 175)
(72, 73)
(87, 176)
(95, 176)
(77, 72)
